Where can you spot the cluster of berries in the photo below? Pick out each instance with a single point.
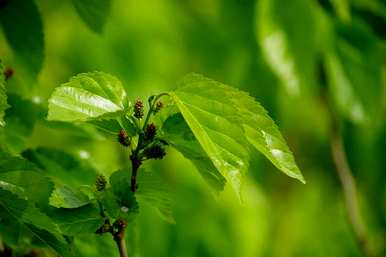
(155, 150)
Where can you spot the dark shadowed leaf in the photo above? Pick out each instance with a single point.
(3, 95)
(93, 12)
(23, 29)
(40, 225)
(83, 220)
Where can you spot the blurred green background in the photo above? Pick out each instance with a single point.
(280, 52)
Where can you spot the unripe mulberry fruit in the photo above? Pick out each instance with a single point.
(150, 132)
(138, 109)
(8, 72)
(124, 138)
(100, 183)
(155, 152)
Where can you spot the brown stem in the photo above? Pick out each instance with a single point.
(350, 192)
(119, 238)
(135, 163)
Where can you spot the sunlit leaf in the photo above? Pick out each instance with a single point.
(208, 113)
(224, 120)
(178, 134)
(23, 29)
(86, 97)
(93, 12)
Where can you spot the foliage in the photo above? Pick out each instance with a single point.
(80, 160)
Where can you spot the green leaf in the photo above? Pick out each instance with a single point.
(224, 120)
(281, 35)
(66, 197)
(3, 95)
(62, 167)
(23, 29)
(178, 134)
(120, 186)
(40, 225)
(207, 111)
(23, 174)
(353, 68)
(83, 220)
(9, 163)
(155, 192)
(20, 119)
(87, 96)
(93, 12)
(96, 246)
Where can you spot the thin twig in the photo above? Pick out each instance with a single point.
(350, 192)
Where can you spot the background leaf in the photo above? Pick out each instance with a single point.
(353, 69)
(93, 12)
(3, 95)
(23, 29)
(281, 33)
(35, 221)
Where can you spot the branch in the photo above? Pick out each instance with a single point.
(119, 238)
(350, 192)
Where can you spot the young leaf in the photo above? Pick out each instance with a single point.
(93, 12)
(23, 29)
(3, 95)
(40, 225)
(87, 96)
(209, 106)
(178, 134)
(83, 220)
